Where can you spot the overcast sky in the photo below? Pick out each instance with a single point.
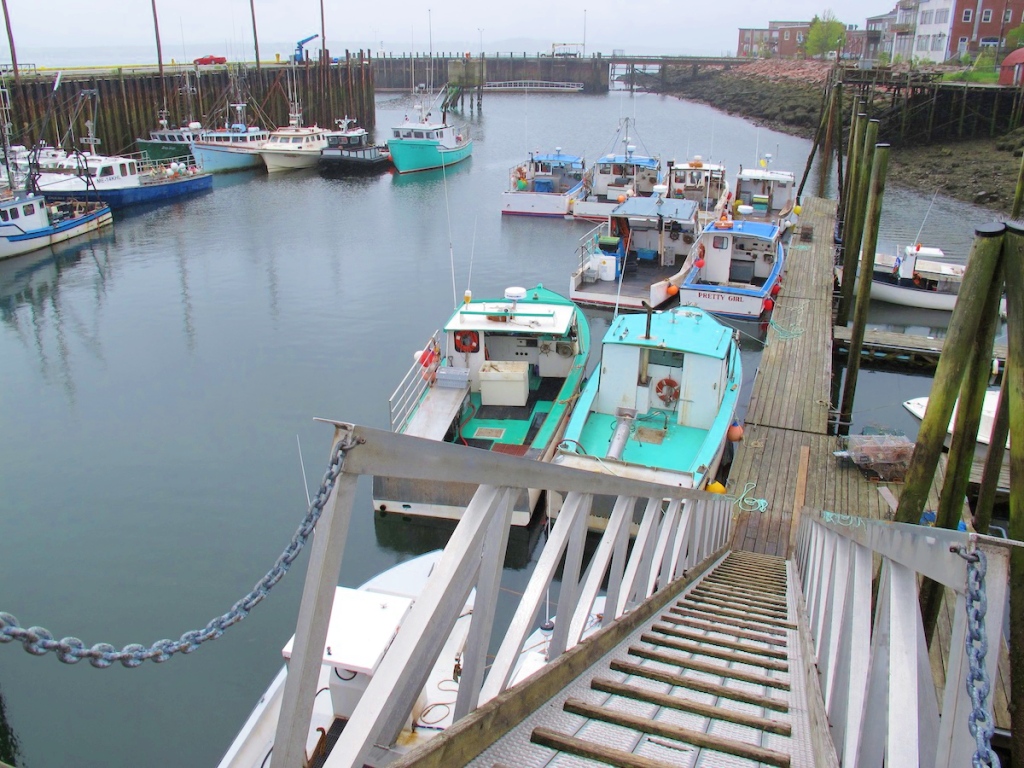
(224, 27)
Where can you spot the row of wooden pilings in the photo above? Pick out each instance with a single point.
(995, 266)
(125, 105)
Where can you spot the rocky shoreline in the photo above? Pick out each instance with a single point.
(787, 96)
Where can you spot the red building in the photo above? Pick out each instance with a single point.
(782, 38)
(979, 24)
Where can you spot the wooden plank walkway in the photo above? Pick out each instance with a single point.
(900, 349)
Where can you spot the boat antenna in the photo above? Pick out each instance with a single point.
(305, 483)
(918, 238)
(472, 253)
(448, 216)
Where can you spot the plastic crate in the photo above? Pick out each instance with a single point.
(452, 378)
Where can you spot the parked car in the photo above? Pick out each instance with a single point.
(210, 59)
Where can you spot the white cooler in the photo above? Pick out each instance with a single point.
(504, 383)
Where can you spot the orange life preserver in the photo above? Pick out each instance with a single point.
(467, 341)
(667, 390)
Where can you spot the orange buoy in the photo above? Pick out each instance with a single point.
(622, 198)
(735, 433)
(672, 289)
(776, 288)
(699, 263)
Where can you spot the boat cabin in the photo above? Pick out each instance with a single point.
(764, 195)
(650, 231)
(620, 176)
(100, 168)
(738, 253)
(22, 213)
(704, 183)
(430, 133)
(354, 138)
(548, 173)
(236, 133)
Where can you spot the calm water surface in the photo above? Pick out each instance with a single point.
(153, 382)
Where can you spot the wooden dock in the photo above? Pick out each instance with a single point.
(899, 350)
(786, 458)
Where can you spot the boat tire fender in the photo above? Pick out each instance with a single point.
(467, 341)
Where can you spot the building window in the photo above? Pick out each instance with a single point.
(986, 16)
(785, 35)
(1007, 15)
(961, 44)
(968, 14)
(939, 43)
(989, 42)
(925, 17)
(800, 38)
(942, 16)
(922, 42)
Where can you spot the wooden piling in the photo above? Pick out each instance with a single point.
(860, 181)
(994, 458)
(960, 340)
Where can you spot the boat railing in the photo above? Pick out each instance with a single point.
(588, 244)
(860, 581)
(420, 376)
(679, 532)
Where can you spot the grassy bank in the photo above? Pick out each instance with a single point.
(787, 96)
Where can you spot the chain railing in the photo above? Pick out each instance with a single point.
(71, 650)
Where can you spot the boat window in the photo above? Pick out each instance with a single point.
(3, 214)
(604, 168)
(666, 357)
(397, 133)
(124, 169)
(417, 134)
(29, 209)
(132, 169)
(14, 213)
(720, 242)
(106, 170)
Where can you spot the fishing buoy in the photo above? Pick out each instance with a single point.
(424, 357)
(622, 198)
(776, 288)
(699, 263)
(768, 305)
(672, 289)
(797, 209)
(715, 487)
(735, 433)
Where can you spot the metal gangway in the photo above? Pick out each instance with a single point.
(705, 656)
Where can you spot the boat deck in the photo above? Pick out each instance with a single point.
(675, 448)
(634, 286)
(502, 427)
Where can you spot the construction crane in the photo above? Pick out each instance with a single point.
(298, 57)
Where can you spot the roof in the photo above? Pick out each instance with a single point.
(559, 158)
(1015, 58)
(681, 329)
(677, 209)
(761, 229)
(540, 312)
(641, 160)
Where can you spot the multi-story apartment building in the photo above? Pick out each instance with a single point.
(979, 24)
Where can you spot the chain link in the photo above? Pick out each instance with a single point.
(980, 722)
(39, 641)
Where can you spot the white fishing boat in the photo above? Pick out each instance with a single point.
(737, 269)
(293, 147)
(545, 185)
(28, 222)
(639, 256)
(660, 405)
(701, 181)
(363, 623)
(918, 277)
(918, 405)
(501, 376)
(763, 194)
(615, 177)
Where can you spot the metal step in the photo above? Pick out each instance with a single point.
(717, 679)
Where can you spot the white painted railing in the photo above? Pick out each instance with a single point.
(875, 675)
(677, 529)
(406, 397)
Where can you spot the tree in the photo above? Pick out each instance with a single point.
(825, 35)
(1015, 37)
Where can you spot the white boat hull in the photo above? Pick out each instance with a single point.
(289, 161)
(906, 297)
(535, 204)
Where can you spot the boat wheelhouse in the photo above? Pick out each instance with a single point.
(762, 194)
(737, 268)
(660, 404)
(28, 222)
(545, 185)
(703, 182)
(638, 256)
(501, 376)
(167, 143)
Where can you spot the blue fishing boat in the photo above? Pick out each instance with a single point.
(660, 404)
(28, 223)
(119, 181)
(423, 145)
(545, 185)
(500, 376)
(737, 269)
(234, 147)
(616, 176)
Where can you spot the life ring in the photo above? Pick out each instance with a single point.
(667, 390)
(700, 250)
(467, 341)
(688, 238)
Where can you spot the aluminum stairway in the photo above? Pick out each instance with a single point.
(714, 680)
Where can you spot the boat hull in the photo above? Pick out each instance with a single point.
(145, 193)
(16, 245)
(536, 204)
(414, 155)
(906, 297)
(164, 150)
(343, 164)
(224, 159)
(289, 161)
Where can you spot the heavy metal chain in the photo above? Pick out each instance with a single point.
(71, 650)
(980, 721)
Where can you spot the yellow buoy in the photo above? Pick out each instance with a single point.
(715, 487)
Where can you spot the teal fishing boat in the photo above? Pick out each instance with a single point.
(420, 146)
(661, 404)
(500, 376)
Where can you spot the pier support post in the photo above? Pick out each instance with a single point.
(879, 167)
(1014, 376)
(853, 229)
(960, 340)
(994, 458)
(860, 123)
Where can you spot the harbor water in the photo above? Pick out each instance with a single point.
(157, 383)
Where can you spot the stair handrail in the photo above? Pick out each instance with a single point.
(881, 709)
